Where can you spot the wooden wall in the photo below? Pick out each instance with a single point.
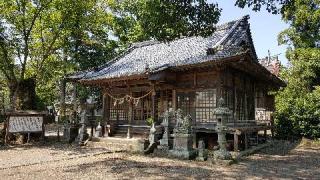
(196, 92)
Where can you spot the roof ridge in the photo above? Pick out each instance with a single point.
(233, 28)
(144, 43)
(153, 42)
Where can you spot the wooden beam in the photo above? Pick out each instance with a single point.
(245, 141)
(105, 113)
(174, 99)
(130, 118)
(153, 97)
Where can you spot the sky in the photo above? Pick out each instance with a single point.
(265, 28)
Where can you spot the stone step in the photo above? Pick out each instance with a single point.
(118, 143)
(138, 131)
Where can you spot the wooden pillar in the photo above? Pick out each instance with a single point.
(161, 108)
(245, 100)
(62, 98)
(105, 115)
(174, 99)
(245, 140)
(257, 138)
(74, 102)
(235, 142)
(130, 119)
(153, 99)
(234, 99)
(219, 85)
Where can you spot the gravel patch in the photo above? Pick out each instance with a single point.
(56, 161)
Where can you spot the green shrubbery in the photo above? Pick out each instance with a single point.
(298, 104)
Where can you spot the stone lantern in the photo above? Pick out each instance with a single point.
(222, 113)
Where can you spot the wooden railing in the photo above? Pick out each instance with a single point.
(262, 117)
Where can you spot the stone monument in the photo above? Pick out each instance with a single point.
(183, 138)
(165, 142)
(202, 152)
(83, 135)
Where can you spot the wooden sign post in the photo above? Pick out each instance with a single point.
(24, 122)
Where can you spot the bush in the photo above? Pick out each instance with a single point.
(298, 116)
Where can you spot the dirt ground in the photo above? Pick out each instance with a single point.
(284, 160)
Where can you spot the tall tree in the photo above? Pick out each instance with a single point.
(163, 20)
(45, 39)
(35, 35)
(26, 40)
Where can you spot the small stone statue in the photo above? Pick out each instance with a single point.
(83, 135)
(183, 125)
(152, 138)
(183, 138)
(202, 153)
(98, 131)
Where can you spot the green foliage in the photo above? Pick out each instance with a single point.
(298, 104)
(150, 121)
(47, 39)
(163, 19)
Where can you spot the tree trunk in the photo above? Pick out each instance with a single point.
(23, 95)
(62, 98)
(13, 95)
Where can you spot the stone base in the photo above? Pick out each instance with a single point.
(222, 155)
(162, 151)
(138, 146)
(183, 154)
(70, 133)
(201, 158)
(223, 162)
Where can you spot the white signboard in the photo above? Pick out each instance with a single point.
(262, 114)
(25, 124)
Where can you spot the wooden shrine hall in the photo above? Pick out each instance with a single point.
(190, 74)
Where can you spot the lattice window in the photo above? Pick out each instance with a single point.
(228, 98)
(119, 111)
(240, 108)
(259, 99)
(205, 103)
(138, 108)
(199, 104)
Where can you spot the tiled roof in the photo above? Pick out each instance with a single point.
(272, 64)
(230, 39)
